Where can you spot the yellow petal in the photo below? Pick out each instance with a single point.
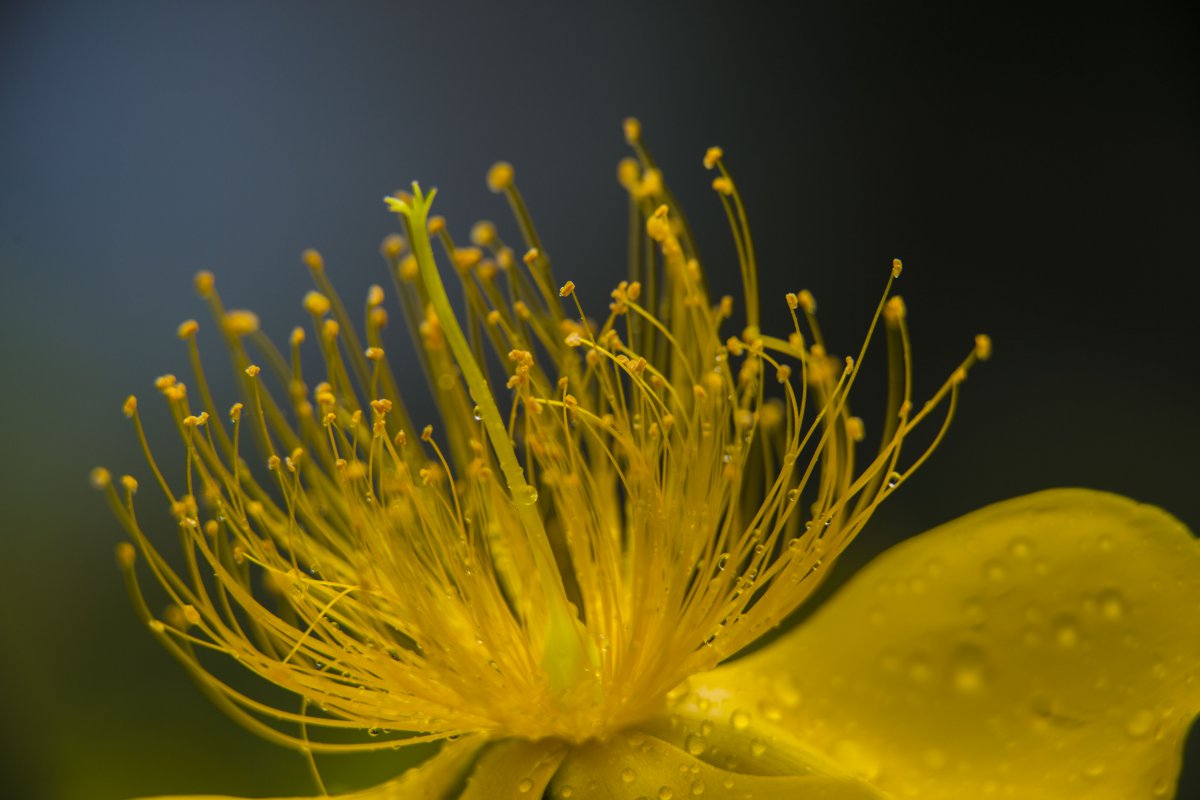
(514, 769)
(1045, 647)
(634, 765)
(434, 779)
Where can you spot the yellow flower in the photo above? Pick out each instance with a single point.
(553, 581)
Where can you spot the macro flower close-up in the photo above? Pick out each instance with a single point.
(558, 579)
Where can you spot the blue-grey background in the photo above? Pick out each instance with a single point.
(1037, 170)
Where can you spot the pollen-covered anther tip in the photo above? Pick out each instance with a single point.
(99, 478)
(629, 172)
(897, 267)
(723, 185)
(983, 347)
(567, 289)
(807, 301)
(235, 412)
(313, 260)
(187, 329)
(126, 555)
(712, 156)
(782, 373)
(392, 245)
(855, 429)
(253, 370)
(204, 283)
(436, 225)
(316, 304)
(130, 406)
(633, 130)
(330, 329)
(374, 296)
(239, 322)
(273, 462)
(129, 483)
(297, 337)
(374, 353)
(792, 300)
(500, 176)
(427, 433)
(483, 234)
(381, 406)
(894, 310)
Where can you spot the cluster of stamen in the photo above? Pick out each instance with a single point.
(648, 497)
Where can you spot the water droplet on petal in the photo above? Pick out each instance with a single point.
(695, 744)
(1066, 631)
(740, 719)
(525, 785)
(697, 787)
(968, 669)
(525, 496)
(628, 775)
(1111, 603)
(665, 793)
(1140, 724)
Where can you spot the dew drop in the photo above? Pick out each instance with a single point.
(665, 793)
(695, 744)
(1112, 604)
(525, 785)
(697, 787)
(740, 719)
(974, 612)
(477, 414)
(793, 495)
(566, 791)
(968, 669)
(1140, 724)
(995, 571)
(1066, 632)
(722, 561)
(525, 496)
(628, 775)
(1020, 547)
(757, 747)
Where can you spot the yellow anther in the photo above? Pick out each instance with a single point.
(409, 269)
(313, 260)
(297, 337)
(494, 317)
(894, 310)
(374, 295)
(356, 418)
(240, 322)
(983, 347)
(753, 336)
(191, 614)
(783, 373)
(505, 258)
(570, 401)
(483, 234)
(253, 370)
(734, 346)
(531, 256)
(699, 392)
(330, 329)
(657, 228)
(212, 527)
(374, 353)
(521, 309)
(130, 483)
(381, 406)
(235, 412)
(725, 307)
(100, 478)
(329, 419)
(668, 421)
(467, 258)
(573, 339)
(130, 406)
(273, 462)
(187, 329)
(500, 176)
(633, 130)
(195, 421)
(897, 267)
(567, 289)
(392, 246)
(651, 184)
(743, 418)
(436, 225)
(176, 392)
(427, 433)
(486, 270)
(633, 291)
(723, 185)
(296, 456)
(855, 429)
(807, 301)
(254, 508)
(164, 382)
(628, 172)
(126, 554)
(316, 304)
(204, 283)
(401, 439)
(792, 300)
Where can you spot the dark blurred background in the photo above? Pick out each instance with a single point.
(1037, 170)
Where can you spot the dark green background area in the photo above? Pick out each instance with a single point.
(1037, 170)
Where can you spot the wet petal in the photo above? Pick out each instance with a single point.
(1045, 647)
(636, 765)
(434, 779)
(514, 769)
